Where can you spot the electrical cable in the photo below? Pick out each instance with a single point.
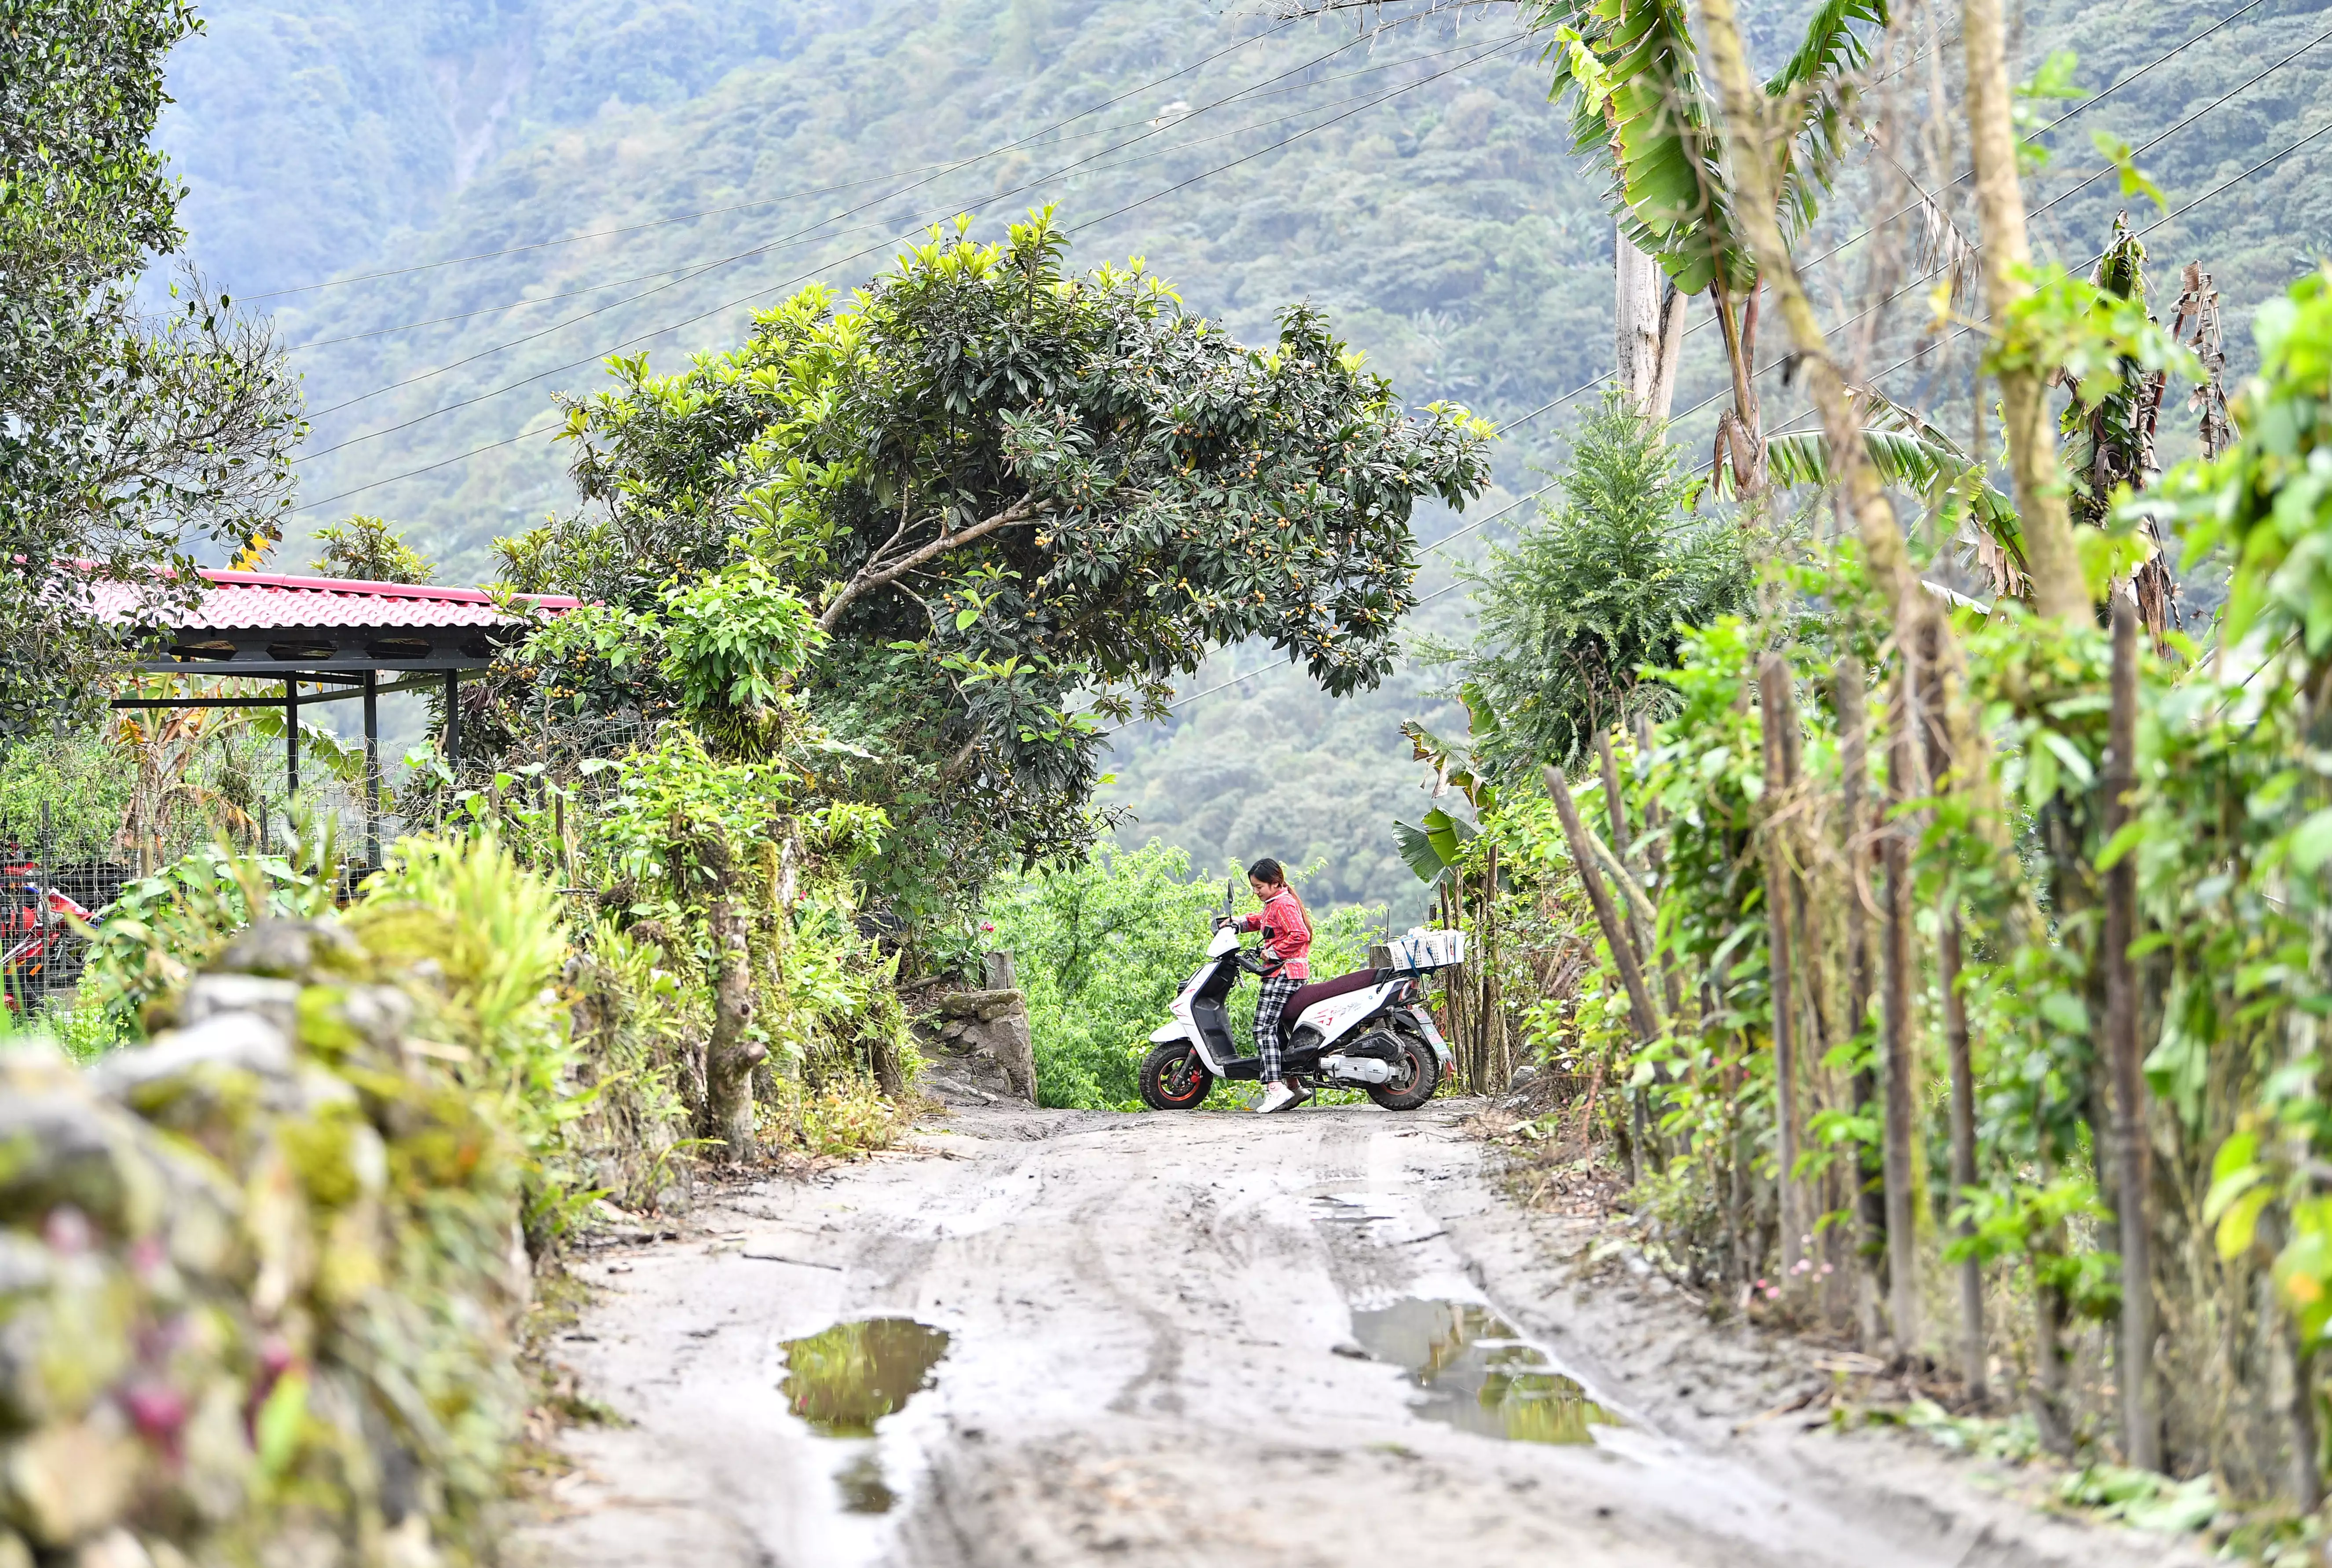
(1100, 169)
(1865, 233)
(742, 255)
(734, 303)
(2091, 178)
(1428, 598)
(741, 207)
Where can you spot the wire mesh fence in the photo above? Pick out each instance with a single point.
(49, 901)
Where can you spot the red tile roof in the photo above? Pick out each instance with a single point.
(266, 601)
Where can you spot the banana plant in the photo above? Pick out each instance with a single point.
(1910, 453)
(1639, 109)
(1433, 847)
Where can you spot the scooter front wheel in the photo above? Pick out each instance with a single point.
(1174, 1078)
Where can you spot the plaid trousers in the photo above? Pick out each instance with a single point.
(1277, 989)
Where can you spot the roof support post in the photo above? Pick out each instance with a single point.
(291, 741)
(453, 719)
(372, 768)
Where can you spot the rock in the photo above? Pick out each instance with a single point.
(61, 1147)
(114, 1549)
(62, 1347)
(211, 995)
(70, 1479)
(303, 950)
(981, 1005)
(253, 1035)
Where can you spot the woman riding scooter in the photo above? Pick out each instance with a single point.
(1286, 930)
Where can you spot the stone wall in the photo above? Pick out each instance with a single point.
(260, 1282)
(986, 1034)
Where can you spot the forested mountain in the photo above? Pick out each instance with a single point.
(1407, 175)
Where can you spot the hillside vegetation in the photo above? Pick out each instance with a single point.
(1449, 230)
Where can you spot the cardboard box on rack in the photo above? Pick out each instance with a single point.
(1420, 951)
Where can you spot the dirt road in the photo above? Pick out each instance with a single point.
(1321, 1338)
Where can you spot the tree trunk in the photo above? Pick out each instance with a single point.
(2141, 1427)
(1644, 1019)
(1673, 302)
(1901, 1059)
(1956, 1044)
(734, 1054)
(2058, 587)
(1645, 923)
(1777, 711)
(1637, 309)
(1854, 768)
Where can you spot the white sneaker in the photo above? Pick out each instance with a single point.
(1278, 1097)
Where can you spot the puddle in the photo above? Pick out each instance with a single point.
(863, 1489)
(844, 1379)
(1478, 1375)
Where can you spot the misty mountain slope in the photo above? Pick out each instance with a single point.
(1412, 179)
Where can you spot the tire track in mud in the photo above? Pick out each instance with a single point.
(1148, 1367)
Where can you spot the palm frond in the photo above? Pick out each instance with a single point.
(1640, 111)
(1911, 453)
(1820, 85)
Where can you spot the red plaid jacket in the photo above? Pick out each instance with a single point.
(1286, 935)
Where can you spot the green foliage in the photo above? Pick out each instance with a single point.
(370, 549)
(127, 440)
(1640, 111)
(492, 935)
(1101, 948)
(2095, 338)
(1585, 602)
(1097, 486)
(2267, 503)
(163, 929)
(2033, 105)
(735, 639)
(79, 775)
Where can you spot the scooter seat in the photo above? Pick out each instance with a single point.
(1321, 990)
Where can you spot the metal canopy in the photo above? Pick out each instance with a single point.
(330, 631)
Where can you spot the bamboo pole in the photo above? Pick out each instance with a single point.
(1854, 770)
(1973, 1355)
(2058, 588)
(2141, 1427)
(1902, 1235)
(1777, 711)
(1644, 1019)
(1647, 918)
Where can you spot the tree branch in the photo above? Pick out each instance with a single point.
(869, 576)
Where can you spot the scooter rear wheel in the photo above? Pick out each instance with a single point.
(1173, 1078)
(1415, 1076)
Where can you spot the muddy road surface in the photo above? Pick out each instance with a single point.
(1213, 1338)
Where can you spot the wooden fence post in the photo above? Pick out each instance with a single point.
(1902, 1234)
(2141, 1428)
(1775, 711)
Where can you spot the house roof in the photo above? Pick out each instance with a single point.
(269, 601)
(270, 624)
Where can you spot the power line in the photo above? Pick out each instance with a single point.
(715, 212)
(1101, 168)
(1865, 233)
(1428, 598)
(392, 479)
(726, 260)
(2088, 180)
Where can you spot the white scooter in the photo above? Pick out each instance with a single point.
(1369, 1029)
